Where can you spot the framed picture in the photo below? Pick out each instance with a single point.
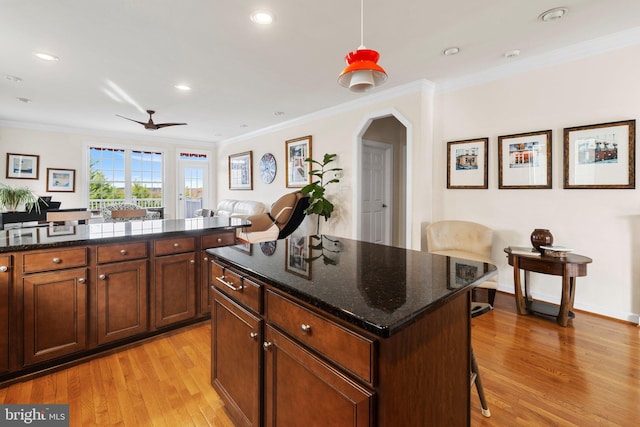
(600, 156)
(297, 256)
(23, 236)
(467, 164)
(23, 166)
(298, 150)
(524, 160)
(240, 171)
(61, 180)
(247, 248)
(61, 230)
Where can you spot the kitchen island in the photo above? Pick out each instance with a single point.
(69, 292)
(319, 330)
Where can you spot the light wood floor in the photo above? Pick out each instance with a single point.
(535, 373)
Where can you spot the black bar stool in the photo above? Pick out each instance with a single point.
(478, 309)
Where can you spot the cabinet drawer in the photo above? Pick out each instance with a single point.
(239, 288)
(175, 246)
(219, 239)
(122, 252)
(351, 351)
(58, 259)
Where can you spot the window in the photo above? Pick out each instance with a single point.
(119, 175)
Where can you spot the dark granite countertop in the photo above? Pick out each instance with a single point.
(378, 288)
(20, 239)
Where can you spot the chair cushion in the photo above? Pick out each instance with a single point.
(282, 209)
(460, 235)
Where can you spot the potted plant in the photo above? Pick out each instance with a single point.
(13, 197)
(318, 203)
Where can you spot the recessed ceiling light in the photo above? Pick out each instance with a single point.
(46, 56)
(261, 17)
(182, 87)
(512, 53)
(553, 14)
(451, 51)
(25, 100)
(14, 79)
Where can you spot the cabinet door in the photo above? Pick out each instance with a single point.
(175, 287)
(5, 284)
(55, 314)
(236, 359)
(302, 390)
(122, 300)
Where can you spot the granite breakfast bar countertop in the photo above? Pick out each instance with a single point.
(30, 238)
(381, 289)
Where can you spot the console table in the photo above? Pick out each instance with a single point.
(569, 267)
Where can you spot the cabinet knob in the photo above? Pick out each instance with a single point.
(254, 336)
(56, 260)
(205, 259)
(266, 345)
(175, 245)
(102, 277)
(4, 268)
(81, 280)
(219, 240)
(305, 328)
(123, 252)
(193, 261)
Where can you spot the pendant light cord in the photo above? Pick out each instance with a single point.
(361, 25)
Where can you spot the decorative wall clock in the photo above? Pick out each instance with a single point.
(268, 168)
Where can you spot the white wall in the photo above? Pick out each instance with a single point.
(601, 224)
(66, 150)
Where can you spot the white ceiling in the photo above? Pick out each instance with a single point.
(242, 73)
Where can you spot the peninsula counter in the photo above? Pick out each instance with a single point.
(72, 291)
(332, 331)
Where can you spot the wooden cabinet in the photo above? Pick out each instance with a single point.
(6, 271)
(236, 358)
(174, 281)
(55, 314)
(214, 240)
(301, 389)
(121, 291)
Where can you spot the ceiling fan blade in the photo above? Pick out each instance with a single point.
(162, 125)
(142, 123)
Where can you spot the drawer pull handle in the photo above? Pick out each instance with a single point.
(175, 245)
(56, 260)
(4, 268)
(266, 345)
(81, 280)
(229, 285)
(254, 336)
(102, 277)
(123, 252)
(305, 328)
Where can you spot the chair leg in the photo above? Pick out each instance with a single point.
(491, 293)
(475, 375)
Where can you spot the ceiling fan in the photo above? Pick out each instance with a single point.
(150, 125)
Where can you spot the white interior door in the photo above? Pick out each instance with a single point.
(192, 191)
(376, 197)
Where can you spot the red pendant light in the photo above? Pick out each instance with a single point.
(362, 72)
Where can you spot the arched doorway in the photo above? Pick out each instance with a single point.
(382, 213)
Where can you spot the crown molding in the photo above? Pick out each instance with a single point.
(574, 52)
(418, 86)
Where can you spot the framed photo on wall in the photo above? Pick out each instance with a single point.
(600, 156)
(61, 180)
(467, 164)
(298, 169)
(524, 160)
(297, 257)
(240, 171)
(23, 166)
